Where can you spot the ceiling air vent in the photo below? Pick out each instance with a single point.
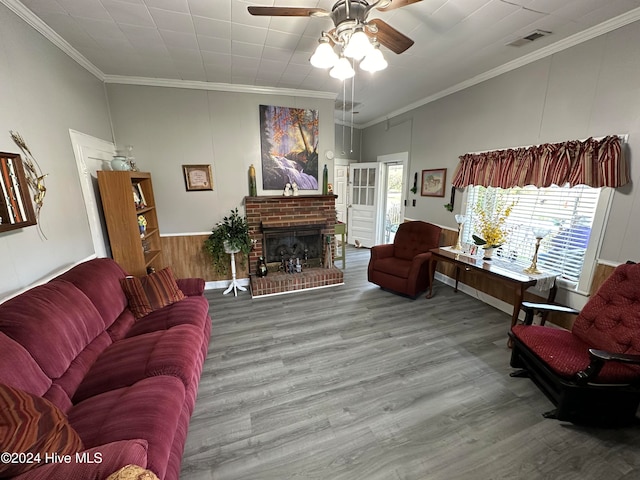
(346, 106)
(529, 38)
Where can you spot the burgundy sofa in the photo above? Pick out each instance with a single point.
(127, 386)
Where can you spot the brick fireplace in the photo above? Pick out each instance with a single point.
(291, 227)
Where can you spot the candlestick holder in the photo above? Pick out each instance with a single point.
(460, 220)
(539, 234)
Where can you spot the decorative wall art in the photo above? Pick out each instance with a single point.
(34, 177)
(197, 177)
(433, 182)
(289, 140)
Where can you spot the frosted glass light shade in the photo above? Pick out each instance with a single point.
(374, 61)
(358, 46)
(342, 69)
(324, 56)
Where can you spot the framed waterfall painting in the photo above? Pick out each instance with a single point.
(289, 147)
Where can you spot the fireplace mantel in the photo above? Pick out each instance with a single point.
(271, 198)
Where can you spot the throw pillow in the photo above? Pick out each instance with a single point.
(150, 293)
(31, 428)
(132, 472)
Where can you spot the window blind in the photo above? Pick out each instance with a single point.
(566, 213)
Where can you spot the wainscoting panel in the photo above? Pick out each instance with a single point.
(187, 258)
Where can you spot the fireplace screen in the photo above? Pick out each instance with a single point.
(282, 244)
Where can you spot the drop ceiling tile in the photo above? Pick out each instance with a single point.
(44, 6)
(100, 29)
(214, 44)
(129, 13)
(171, 5)
(248, 62)
(176, 22)
(248, 33)
(280, 54)
(219, 9)
(141, 36)
(240, 14)
(217, 59)
(86, 9)
(72, 32)
(211, 27)
(179, 39)
(282, 40)
(297, 25)
(246, 49)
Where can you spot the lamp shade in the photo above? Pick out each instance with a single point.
(324, 56)
(358, 46)
(342, 69)
(374, 61)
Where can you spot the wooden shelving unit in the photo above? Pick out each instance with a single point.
(136, 253)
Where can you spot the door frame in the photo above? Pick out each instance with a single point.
(81, 141)
(392, 158)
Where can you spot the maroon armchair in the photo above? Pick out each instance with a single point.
(403, 266)
(591, 372)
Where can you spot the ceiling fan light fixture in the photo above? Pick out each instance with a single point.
(358, 45)
(324, 56)
(342, 69)
(374, 61)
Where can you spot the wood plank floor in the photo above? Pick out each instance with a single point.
(355, 383)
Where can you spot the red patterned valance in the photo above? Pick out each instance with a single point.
(597, 163)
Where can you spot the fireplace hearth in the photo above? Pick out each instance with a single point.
(291, 228)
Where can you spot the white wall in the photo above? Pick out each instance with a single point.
(44, 93)
(169, 127)
(592, 89)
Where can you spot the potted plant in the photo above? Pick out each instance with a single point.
(229, 235)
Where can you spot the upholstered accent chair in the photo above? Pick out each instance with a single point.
(403, 266)
(592, 372)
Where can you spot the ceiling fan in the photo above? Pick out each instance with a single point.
(349, 17)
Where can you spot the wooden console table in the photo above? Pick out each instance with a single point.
(518, 281)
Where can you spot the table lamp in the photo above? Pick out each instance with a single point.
(539, 233)
(460, 219)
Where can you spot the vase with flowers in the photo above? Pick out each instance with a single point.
(491, 227)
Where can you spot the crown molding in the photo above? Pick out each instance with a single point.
(571, 41)
(45, 30)
(223, 87)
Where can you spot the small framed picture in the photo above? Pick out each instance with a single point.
(197, 177)
(433, 182)
(138, 196)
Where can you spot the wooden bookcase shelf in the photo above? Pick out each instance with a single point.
(119, 191)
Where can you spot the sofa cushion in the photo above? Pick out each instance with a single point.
(173, 352)
(93, 464)
(148, 409)
(567, 355)
(397, 267)
(188, 311)
(29, 377)
(106, 293)
(133, 472)
(61, 310)
(152, 292)
(32, 425)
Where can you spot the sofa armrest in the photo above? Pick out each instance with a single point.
(191, 287)
(93, 464)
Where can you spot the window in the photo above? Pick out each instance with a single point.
(566, 213)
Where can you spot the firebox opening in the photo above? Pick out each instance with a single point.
(300, 243)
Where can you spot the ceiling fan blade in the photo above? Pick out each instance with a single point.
(390, 37)
(287, 11)
(397, 4)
